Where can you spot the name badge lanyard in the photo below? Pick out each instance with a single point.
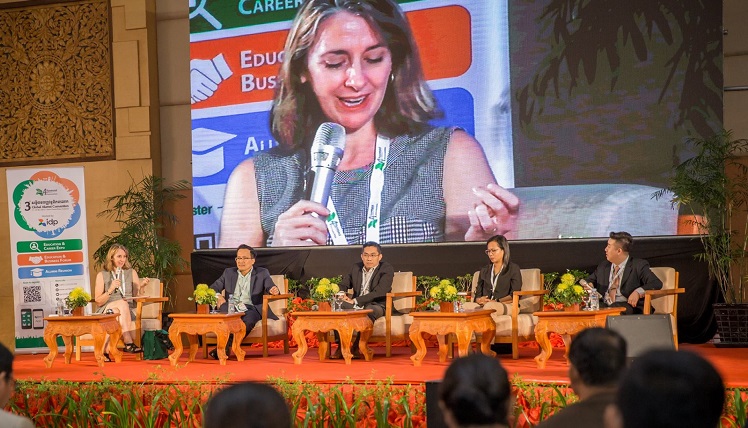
(376, 186)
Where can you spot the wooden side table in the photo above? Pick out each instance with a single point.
(69, 326)
(461, 324)
(567, 324)
(321, 322)
(195, 324)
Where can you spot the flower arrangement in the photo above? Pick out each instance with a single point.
(77, 298)
(568, 292)
(204, 295)
(444, 291)
(324, 288)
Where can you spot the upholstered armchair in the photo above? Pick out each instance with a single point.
(515, 322)
(395, 323)
(665, 300)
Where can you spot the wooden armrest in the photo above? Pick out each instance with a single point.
(150, 299)
(531, 293)
(659, 293)
(276, 296)
(405, 294)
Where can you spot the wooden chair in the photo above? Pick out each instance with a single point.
(395, 323)
(267, 330)
(148, 315)
(665, 300)
(515, 322)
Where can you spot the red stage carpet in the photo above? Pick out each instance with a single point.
(729, 362)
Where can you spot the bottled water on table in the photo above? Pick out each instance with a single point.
(232, 304)
(594, 300)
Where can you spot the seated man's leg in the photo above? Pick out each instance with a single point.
(251, 317)
(630, 310)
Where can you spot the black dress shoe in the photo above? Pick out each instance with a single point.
(213, 354)
(107, 358)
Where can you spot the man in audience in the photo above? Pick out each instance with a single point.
(668, 389)
(247, 405)
(7, 386)
(247, 283)
(597, 357)
(621, 280)
(371, 280)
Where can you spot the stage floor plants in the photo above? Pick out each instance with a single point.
(114, 403)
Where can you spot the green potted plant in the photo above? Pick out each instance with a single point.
(141, 213)
(713, 187)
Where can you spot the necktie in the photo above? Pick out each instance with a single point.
(614, 285)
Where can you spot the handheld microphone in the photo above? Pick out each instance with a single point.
(326, 153)
(118, 275)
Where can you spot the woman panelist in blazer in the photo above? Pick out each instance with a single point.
(248, 283)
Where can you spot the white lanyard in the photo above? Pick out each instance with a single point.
(376, 186)
(494, 279)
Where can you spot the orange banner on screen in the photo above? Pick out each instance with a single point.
(41, 259)
(442, 35)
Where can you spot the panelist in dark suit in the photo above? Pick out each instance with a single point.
(498, 280)
(247, 283)
(621, 280)
(371, 280)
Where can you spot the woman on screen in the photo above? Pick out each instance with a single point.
(354, 63)
(114, 285)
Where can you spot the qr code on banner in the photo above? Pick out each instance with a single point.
(32, 293)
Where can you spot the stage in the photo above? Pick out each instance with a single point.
(730, 362)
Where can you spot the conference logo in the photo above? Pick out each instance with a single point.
(46, 204)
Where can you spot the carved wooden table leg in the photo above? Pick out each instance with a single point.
(443, 348)
(114, 330)
(485, 342)
(176, 338)
(417, 339)
(99, 338)
(240, 330)
(541, 336)
(363, 344)
(463, 341)
(298, 335)
(192, 340)
(50, 338)
(346, 335)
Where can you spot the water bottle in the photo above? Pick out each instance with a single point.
(594, 300)
(232, 304)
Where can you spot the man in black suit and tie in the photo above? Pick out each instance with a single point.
(247, 283)
(621, 280)
(371, 280)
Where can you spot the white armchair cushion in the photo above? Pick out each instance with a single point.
(400, 325)
(525, 325)
(275, 327)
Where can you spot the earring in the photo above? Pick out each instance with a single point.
(392, 77)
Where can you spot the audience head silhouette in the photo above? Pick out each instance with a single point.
(597, 357)
(475, 392)
(247, 405)
(665, 389)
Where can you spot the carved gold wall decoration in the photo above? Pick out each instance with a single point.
(55, 83)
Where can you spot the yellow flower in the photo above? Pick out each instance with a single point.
(324, 282)
(578, 289)
(561, 287)
(77, 298)
(434, 291)
(451, 290)
(568, 278)
(335, 288)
